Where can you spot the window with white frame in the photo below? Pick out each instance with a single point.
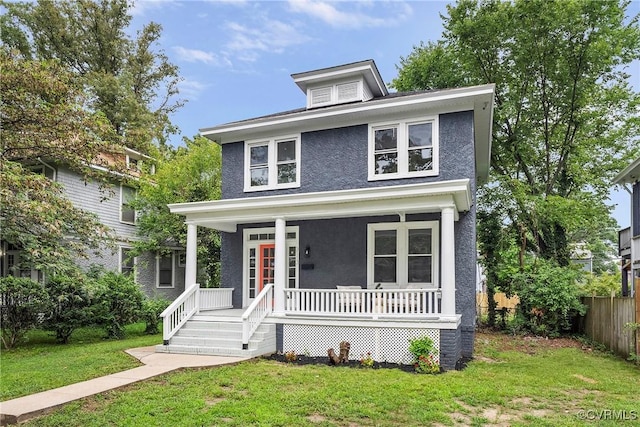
(272, 163)
(165, 276)
(127, 212)
(127, 262)
(403, 254)
(403, 149)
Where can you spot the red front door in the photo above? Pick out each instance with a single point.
(266, 258)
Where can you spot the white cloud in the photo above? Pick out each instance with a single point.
(191, 89)
(195, 55)
(268, 36)
(330, 13)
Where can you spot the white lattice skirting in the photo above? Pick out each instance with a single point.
(384, 344)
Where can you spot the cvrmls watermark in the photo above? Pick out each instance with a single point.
(608, 415)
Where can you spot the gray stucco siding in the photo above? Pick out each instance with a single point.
(336, 159)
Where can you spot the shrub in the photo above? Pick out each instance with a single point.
(150, 314)
(118, 302)
(549, 299)
(70, 306)
(602, 285)
(23, 302)
(423, 352)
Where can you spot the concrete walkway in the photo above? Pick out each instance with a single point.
(27, 407)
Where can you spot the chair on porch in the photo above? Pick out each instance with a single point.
(348, 302)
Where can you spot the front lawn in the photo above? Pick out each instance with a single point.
(513, 381)
(41, 364)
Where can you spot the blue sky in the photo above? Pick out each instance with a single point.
(236, 57)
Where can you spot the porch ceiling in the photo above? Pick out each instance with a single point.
(225, 215)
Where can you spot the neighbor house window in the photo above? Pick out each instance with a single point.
(403, 149)
(127, 212)
(272, 163)
(127, 262)
(164, 270)
(403, 254)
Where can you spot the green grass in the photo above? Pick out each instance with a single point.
(41, 364)
(513, 381)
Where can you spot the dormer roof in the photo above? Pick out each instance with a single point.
(358, 81)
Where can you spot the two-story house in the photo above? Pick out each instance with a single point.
(157, 274)
(350, 219)
(629, 238)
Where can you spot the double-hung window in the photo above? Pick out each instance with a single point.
(403, 149)
(165, 276)
(272, 163)
(403, 254)
(127, 212)
(127, 262)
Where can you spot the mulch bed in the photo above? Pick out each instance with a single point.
(324, 360)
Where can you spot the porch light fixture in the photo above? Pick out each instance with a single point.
(307, 251)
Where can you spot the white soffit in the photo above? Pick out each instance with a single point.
(630, 174)
(403, 199)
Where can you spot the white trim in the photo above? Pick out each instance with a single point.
(135, 214)
(173, 271)
(402, 147)
(402, 255)
(272, 163)
(248, 244)
(135, 261)
(391, 200)
(182, 262)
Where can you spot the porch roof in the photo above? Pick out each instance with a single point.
(225, 215)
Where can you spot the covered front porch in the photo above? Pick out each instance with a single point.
(412, 298)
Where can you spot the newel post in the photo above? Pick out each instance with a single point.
(448, 260)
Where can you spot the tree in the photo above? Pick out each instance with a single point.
(43, 119)
(193, 173)
(132, 81)
(565, 120)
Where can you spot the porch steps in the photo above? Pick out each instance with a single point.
(216, 336)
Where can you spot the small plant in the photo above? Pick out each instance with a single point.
(23, 301)
(150, 313)
(423, 352)
(634, 328)
(290, 356)
(366, 361)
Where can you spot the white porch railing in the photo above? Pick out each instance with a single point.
(190, 302)
(261, 306)
(328, 302)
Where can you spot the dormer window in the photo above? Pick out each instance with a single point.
(355, 82)
(335, 94)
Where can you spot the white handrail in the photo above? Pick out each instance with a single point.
(261, 306)
(179, 311)
(363, 302)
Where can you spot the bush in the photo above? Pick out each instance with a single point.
(603, 285)
(423, 352)
(150, 314)
(23, 302)
(118, 302)
(70, 306)
(549, 300)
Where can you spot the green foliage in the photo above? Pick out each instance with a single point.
(193, 173)
(150, 313)
(565, 118)
(423, 351)
(70, 305)
(603, 284)
(118, 302)
(22, 303)
(549, 299)
(366, 361)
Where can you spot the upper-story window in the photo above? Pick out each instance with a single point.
(127, 212)
(272, 163)
(47, 171)
(403, 149)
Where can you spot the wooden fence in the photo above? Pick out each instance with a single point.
(482, 303)
(605, 323)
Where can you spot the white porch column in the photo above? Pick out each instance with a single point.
(191, 264)
(280, 270)
(448, 260)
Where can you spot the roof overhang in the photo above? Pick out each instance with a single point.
(630, 174)
(478, 99)
(367, 69)
(225, 215)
